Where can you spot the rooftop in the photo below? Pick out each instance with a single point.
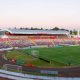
(22, 31)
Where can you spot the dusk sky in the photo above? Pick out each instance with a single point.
(40, 13)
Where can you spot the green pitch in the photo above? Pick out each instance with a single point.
(62, 56)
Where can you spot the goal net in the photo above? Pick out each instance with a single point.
(35, 53)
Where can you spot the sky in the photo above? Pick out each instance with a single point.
(40, 13)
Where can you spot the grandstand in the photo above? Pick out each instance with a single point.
(25, 38)
(22, 37)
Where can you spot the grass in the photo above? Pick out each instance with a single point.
(63, 56)
(18, 55)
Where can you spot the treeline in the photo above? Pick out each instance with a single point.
(32, 28)
(72, 32)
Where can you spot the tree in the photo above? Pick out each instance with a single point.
(15, 28)
(21, 28)
(75, 32)
(71, 32)
(55, 28)
(41, 28)
(26, 28)
(64, 29)
(32, 28)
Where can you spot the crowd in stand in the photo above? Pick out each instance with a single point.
(20, 43)
(4, 45)
(27, 43)
(15, 43)
(67, 42)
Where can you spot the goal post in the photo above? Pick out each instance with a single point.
(35, 53)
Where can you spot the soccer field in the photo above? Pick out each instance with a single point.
(62, 55)
(57, 56)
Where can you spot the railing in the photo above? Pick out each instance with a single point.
(2, 49)
(14, 75)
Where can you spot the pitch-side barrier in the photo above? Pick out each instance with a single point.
(6, 49)
(2, 49)
(11, 75)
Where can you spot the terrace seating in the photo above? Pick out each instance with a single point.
(19, 43)
(26, 41)
(66, 41)
(42, 42)
(4, 45)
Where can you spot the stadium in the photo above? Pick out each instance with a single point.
(42, 50)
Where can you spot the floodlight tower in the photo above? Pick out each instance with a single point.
(78, 33)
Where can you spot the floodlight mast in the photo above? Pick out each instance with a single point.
(78, 35)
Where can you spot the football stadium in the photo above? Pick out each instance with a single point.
(40, 50)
